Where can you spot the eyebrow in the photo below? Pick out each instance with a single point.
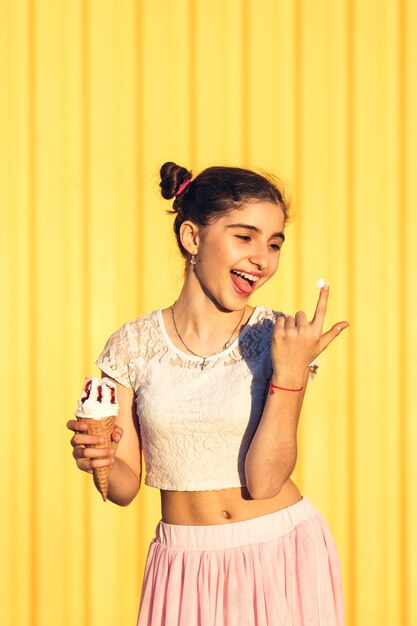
(255, 229)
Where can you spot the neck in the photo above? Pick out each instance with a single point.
(198, 316)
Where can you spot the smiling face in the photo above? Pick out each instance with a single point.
(237, 253)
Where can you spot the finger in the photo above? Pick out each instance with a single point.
(101, 462)
(301, 319)
(280, 321)
(331, 334)
(84, 465)
(78, 452)
(95, 453)
(117, 434)
(289, 322)
(75, 425)
(92, 453)
(320, 312)
(86, 440)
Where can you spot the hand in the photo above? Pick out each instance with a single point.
(89, 458)
(297, 342)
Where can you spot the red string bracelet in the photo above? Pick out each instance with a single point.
(272, 387)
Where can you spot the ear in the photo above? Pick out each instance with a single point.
(190, 236)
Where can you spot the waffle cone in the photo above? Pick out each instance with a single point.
(103, 428)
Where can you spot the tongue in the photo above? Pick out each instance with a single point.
(241, 283)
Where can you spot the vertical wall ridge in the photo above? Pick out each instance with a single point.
(33, 318)
(350, 135)
(405, 381)
(245, 69)
(192, 77)
(86, 278)
(298, 133)
(140, 161)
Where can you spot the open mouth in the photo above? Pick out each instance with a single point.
(242, 283)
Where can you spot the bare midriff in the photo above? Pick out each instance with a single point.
(202, 508)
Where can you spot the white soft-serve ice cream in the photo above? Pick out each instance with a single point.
(98, 408)
(321, 282)
(98, 399)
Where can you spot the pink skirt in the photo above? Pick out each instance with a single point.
(280, 569)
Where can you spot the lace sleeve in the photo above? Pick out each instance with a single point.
(116, 359)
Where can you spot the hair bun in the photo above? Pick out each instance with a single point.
(172, 177)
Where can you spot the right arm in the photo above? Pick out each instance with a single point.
(295, 343)
(125, 455)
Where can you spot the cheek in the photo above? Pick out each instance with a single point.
(213, 259)
(217, 253)
(275, 264)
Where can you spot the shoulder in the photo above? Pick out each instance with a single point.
(256, 341)
(122, 357)
(267, 317)
(132, 333)
(143, 322)
(138, 325)
(264, 320)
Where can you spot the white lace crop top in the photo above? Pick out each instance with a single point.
(196, 424)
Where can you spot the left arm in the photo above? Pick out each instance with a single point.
(272, 454)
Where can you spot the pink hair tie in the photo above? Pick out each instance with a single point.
(182, 187)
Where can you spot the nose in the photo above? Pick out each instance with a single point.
(260, 258)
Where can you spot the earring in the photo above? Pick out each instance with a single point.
(193, 260)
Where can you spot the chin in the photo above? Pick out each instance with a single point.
(227, 302)
(233, 304)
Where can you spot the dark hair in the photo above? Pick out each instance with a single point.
(214, 192)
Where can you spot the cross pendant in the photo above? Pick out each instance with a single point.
(203, 363)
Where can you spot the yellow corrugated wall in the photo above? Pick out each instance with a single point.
(95, 95)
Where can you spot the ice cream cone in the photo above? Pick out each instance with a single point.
(98, 408)
(102, 427)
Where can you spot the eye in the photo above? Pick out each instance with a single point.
(275, 246)
(243, 237)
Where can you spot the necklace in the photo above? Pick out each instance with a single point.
(200, 356)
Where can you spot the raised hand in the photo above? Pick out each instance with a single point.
(296, 342)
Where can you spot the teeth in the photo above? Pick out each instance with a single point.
(248, 276)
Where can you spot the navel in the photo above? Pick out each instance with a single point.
(226, 514)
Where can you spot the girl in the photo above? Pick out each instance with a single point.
(211, 389)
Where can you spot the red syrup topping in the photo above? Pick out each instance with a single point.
(112, 394)
(99, 393)
(87, 390)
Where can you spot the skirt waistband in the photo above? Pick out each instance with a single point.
(229, 535)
